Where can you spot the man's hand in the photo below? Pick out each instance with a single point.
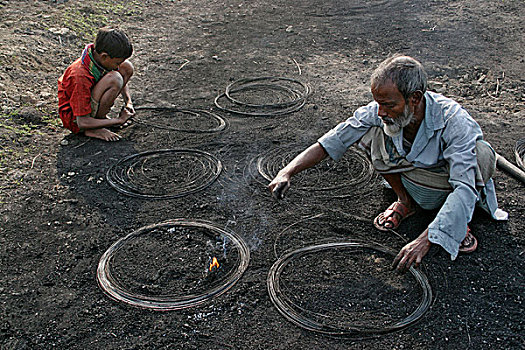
(412, 253)
(279, 185)
(308, 158)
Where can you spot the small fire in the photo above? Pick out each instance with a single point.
(214, 263)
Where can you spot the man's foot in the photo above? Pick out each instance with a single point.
(392, 216)
(469, 243)
(103, 134)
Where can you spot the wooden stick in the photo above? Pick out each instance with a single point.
(185, 63)
(510, 168)
(33, 162)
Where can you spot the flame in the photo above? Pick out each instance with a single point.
(214, 263)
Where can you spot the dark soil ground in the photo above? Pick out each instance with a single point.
(59, 214)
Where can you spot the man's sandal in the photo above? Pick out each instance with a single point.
(469, 243)
(388, 216)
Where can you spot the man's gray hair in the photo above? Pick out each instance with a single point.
(405, 72)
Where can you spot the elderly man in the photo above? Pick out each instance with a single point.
(426, 146)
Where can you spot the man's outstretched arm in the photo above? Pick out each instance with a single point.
(306, 159)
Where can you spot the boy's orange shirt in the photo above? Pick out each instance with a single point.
(74, 94)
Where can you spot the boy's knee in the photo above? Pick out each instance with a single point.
(112, 82)
(114, 79)
(126, 69)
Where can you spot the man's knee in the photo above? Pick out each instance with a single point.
(486, 157)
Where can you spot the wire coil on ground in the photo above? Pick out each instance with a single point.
(147, 174)
(292, 314)
(219, 122)
(519, 151)
(353, 169)
(115, 290)
(288, 95)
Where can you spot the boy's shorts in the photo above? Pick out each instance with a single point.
(70, 121)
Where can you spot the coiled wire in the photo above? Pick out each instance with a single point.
(353, 169)
(292, 314)
(146, 175)
(291, 95)
(170, 302)
(202, 115)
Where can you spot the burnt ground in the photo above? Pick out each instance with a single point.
(59, 214)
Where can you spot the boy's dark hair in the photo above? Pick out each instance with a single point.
(114, 42)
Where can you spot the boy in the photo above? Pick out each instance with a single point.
(89, 87)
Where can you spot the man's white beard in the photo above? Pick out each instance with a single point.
(398, 124)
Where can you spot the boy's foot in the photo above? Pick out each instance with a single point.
(103, 134)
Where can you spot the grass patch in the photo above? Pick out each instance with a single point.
(14, 142)
(21, 130)
(51, 120)
(12, 124)
(85, 21)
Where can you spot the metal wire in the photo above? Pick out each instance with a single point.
(268, 164)
(296, 91)
(169, 302)
(292, 314)
(128, 176)
(220, 122)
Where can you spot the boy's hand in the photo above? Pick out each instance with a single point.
(129, 107)
(125, 115)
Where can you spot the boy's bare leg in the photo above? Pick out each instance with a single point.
(126, 71)
(106, 91)
(94, 127)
